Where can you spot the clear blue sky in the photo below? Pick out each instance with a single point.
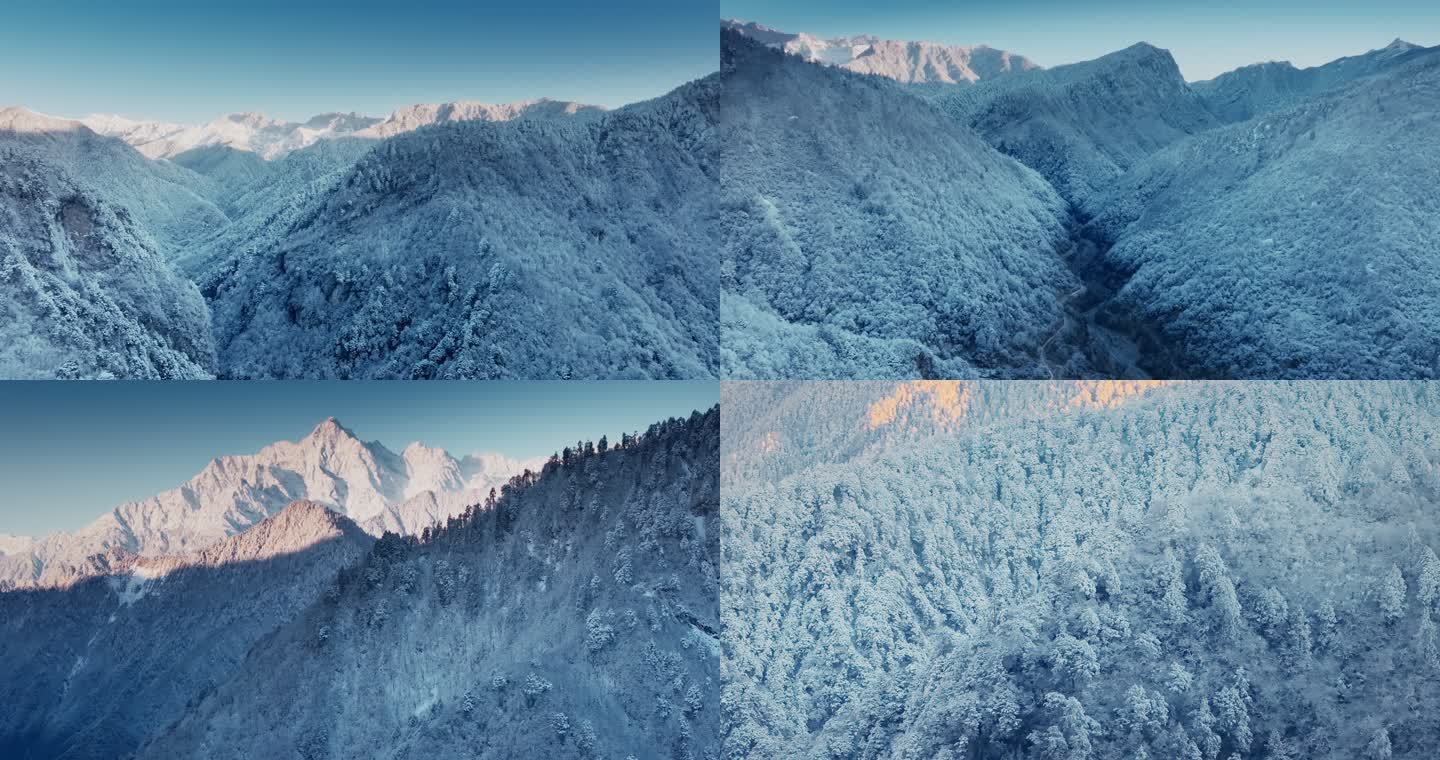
(193, 61)
(72, 451)
(1206, 38)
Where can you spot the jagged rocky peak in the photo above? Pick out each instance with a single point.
(330, 429)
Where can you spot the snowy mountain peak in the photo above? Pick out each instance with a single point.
(330, 429)
(329, 469)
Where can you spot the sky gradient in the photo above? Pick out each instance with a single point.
(1206, 38)
(192, 62)
(73, 451)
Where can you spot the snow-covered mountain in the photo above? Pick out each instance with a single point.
(528, 248)
(272, 138)
(93, 669)
(910, 62)
(866, 234)
(574, 616)
(1250, 91)
(362, 480)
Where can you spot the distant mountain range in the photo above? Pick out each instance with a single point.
(371, 485)
(273, 138)
(910, 62)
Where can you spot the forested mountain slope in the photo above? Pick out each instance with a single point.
(865, 234)
(1083, 125)
(91, 670)
(171, 204)
(85, 291)
(574, 616)
(1204, 570)
(1297, 244)
(519, 249)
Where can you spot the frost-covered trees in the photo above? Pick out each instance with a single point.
(1201, 571)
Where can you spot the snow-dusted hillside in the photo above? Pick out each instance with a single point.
(575, 616)
(910, 62)
(362, 480)
(1083, 125)
(86, 291)
(1250, 91)
(866, 234)
(527, 248)
(91, 670)
(1299, 244)
(1206, 570)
